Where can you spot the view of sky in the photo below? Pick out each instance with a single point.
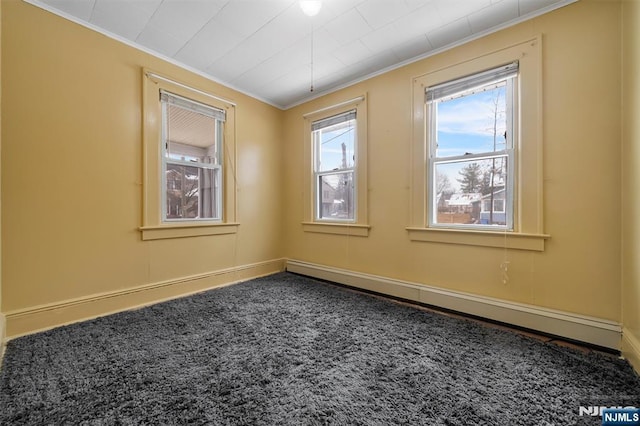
(466, 125)
(332, 138)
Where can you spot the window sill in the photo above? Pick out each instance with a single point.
(187, 230)
(510, 240)
(337, 228)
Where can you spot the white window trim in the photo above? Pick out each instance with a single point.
(528, 228)
(508, 152)
(359, 226)
(153, 226)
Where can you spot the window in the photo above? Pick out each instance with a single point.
(476, 158)
(470, 124)
(335, 157)
(334, 167)
(189, 157)
(191, 162)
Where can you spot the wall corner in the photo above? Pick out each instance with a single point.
(631, 348)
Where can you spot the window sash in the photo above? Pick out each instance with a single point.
(508, 204)
(316, 138)
(205, 190)
(191, 105)
(459, 87)
(319, 173)
(335, 119)
(211, 195)
(319, 194)
(470, 82)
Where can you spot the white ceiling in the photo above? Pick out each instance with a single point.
(264, 47)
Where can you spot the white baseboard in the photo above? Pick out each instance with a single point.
(39, 318)
(631, 348)
(582, 328)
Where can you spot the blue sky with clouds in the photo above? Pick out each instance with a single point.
(466, 125)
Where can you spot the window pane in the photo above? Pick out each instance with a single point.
(465, 190)
(335, 146)
(191, 192)
(336, 196)
(191, 136)
(472, 123)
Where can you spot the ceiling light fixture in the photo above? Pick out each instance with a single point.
(310, 7)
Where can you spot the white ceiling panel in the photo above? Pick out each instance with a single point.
(415, 4)
(348, 27)
(246, 16)
(382, 39)
(378, 13)
(339, 7)
(323, 42)
(80, 9)
(412, 48)
(326, 65)
(126, 19)
(264, 47)
(495, 15)
(235, 63)
(420, 21)
(450, 33)
(352, 53)
(184, 18)
(213, 41)
(452, 10)
(160, 40)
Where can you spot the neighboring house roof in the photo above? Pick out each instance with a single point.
(499, 191)
(464, 199)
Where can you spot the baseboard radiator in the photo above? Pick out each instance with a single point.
(581, 328)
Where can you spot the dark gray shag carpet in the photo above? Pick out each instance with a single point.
(288, 350)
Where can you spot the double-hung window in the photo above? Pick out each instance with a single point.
(334, 147)
(471, 134)
(335, 162)
(189, 184)
(191, 159)
(477, 175)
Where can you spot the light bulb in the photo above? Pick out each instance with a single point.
(310, 7)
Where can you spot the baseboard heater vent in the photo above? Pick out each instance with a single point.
(595, 331)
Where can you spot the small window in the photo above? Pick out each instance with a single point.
(471, 141)
(335, 162)
(191, 159)
(334, 147)
(189, 184)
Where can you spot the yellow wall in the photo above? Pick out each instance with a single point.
(631, 183)
(579, 271)
(72, 173)
(71, 176)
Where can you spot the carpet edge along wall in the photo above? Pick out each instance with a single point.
(32, 320)
(591, 330)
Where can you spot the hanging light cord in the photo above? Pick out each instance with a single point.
(311, 89)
